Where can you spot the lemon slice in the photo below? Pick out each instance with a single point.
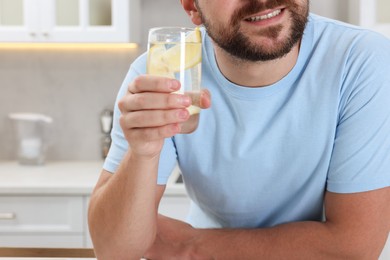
(156, 66)
(193, 110)
(192, 55)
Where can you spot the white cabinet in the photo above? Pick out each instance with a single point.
(48, 206)
(373, 14)
(386, 251)
(46, 221)
(175, 203)
(175, 206)
(59, 220)
(69, 20)
(87, 236)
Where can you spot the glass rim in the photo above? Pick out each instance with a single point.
(170, 34)
(172, 28)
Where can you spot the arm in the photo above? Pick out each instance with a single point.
(123, 208)
(357, 227)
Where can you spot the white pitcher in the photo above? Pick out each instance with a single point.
(31, 132)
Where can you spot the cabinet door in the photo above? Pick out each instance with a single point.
(386, 251)
(87, 236)
(90, 20)
(46, 221)
(69, 20)
(175, 206)
(18, 20)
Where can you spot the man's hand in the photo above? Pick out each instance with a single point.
(124, 205)
(151, 112)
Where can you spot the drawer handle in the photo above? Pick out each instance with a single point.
(7, 216)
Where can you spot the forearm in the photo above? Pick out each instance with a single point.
(123, 211)
(356, 227)
(300, 240)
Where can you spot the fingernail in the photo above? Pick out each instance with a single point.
(184, 100)
(176, 128)
(205, 98)
(173, 84)
(183, 114)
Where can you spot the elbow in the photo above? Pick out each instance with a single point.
(112, 242)
(117, 252)
(108, 246)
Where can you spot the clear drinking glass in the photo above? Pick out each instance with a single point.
(176, 52)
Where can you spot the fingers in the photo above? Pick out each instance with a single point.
(153, 118)
(151, 110)
(153, 92)
(153, 125)
(153, 133)
(148, 83)
(153, 100)
(205, 99)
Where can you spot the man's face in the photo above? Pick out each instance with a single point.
(255, 30)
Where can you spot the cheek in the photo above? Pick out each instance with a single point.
(304, 5)
(218, 11)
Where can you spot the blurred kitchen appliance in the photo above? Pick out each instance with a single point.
(106, 125)
(32, 137)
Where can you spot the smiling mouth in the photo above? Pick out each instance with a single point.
(264, 17)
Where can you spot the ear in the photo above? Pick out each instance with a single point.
(192, 11)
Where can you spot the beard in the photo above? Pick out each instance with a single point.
(231, 38)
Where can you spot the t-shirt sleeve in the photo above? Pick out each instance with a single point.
(361, 154)
(119, 145)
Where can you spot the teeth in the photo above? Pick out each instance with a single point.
(264, 17)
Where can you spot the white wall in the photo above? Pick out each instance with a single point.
(383, 11)
(161, 13)
(336, 9)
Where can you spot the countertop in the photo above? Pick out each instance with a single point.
(61, 177)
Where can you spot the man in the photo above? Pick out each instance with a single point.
(290, 160)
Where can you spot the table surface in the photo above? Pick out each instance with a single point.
(45, 253)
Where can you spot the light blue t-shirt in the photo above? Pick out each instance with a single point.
(265, 156)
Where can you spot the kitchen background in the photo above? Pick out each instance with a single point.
(73, 86)
(47, 206)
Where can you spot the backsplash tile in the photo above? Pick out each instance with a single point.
(71, 86)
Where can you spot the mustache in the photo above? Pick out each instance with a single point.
(252, 7)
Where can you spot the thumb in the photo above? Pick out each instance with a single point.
(205, 99)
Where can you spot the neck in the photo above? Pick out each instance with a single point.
(255, 74)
